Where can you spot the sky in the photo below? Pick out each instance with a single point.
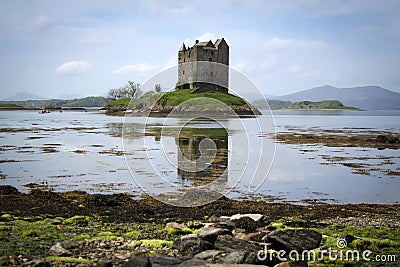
(50, 48)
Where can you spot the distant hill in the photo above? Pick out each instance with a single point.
(365, 97)
(22, 96)
(90, 101)
(325, 104)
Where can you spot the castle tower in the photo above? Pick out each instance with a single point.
(204, 66)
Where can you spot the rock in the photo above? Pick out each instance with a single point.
(193, 262)
(69, 244)
(242, 257)
(229, 244)
(237, 256)
(292, 264)
(178, 241)
(254, 217)
(211, 234)
(208, 254)
(213, 218)
(108, 263)
(348, 238)
(247, 223)
(174, 225)
(241, 235)
(158, 260)
(256, 236)
(190, 247)
(225, 225)
(38, 263)
(58, 250)
(136, 261)
(292, 239)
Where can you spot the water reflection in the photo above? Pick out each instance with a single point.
(202, 155)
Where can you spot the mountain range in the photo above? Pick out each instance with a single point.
(365, 97)
(23, 96)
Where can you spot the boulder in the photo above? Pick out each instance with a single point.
(348, 238)
(110, 263)
(228, 243)
(242, 257)
(254, 217)
(58, 250)
(247, 223)
(208, 254)
(237, 257)
(191, 247)
(225, 225)
(174, 225)
(179, 240)
(210, 234)
(193, 262)
(137, 261)
(256, 236)
(295, 239)
(159, 260)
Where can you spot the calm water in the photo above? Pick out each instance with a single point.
(86, 151)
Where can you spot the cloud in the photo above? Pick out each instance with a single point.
(74, 67)
(202, 38)
(136, 68)
(311, 74)
(42, 23)
(278, 43)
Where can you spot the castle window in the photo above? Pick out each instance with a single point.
(211, 73)
(212, 53)
(210, 59)
(183, 72)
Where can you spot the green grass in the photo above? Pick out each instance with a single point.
(179, 96)
(9, 105)
(123, 102)
(309, 105)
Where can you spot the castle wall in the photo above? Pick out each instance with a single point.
(197, 68)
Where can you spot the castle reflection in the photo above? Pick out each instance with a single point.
(202, 155)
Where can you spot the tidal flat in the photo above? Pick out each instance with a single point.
(79, 229)
(67, 196)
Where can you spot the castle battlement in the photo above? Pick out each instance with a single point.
(204, 66)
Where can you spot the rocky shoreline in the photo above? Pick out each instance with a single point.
(74, 228)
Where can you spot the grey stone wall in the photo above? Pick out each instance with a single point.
(204, 67)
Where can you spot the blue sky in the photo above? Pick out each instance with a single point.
(50, 48)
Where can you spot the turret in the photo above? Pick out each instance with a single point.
(183, 47)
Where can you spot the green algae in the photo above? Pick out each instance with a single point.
(78, 220)
(152, 243)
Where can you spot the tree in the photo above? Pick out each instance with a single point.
(113, 94)
(133, 89)
(157, 88)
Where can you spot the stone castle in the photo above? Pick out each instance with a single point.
(204, 67)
